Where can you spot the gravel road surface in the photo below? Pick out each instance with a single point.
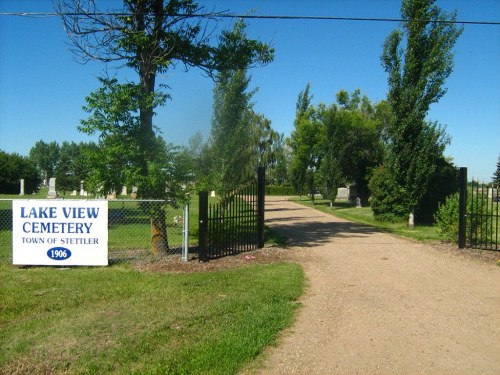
(379, 304)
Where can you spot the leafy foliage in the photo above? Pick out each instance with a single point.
(13, 168)
(443, 183)
(447, 216)
(45, 156)
(479, 218)
(280, 190)
(418, 60)
(386, 197)
(305, 145)
(352, 146)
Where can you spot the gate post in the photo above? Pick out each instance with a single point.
(261, 194)
(462, 208)
(202, 225)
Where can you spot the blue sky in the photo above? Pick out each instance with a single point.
(42, 88)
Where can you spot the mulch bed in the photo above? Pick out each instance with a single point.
(172, 263)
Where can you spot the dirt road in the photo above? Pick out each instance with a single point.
(379, 304)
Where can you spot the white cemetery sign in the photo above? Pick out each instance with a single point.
(60, 233)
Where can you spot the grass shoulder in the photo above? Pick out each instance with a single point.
(113, 319)
(364, 215)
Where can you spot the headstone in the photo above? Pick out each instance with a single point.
(21, 187)
(212, 194)
(134, 192)
(411, 221)
(343, 193)
(111, 196)
(358, 202)
(52, 188)
(492, 193)
(82, 192)
(73, 193)
(124, 190)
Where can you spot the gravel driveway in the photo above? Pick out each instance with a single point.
(379, 304)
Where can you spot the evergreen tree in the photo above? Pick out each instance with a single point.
(496, 175)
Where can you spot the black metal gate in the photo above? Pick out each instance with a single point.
(234, 223)
(479, 214)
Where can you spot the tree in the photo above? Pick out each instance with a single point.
(45, 156)
(418, 59)
(231, 137)
(278, 171)
(268, 148)
(150, 37)
(13, 168)
(307, 153)
(72, 166)
(331, 172)
(352, 144)
(304, 144)
(496, 175)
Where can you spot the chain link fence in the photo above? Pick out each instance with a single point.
(132, 224)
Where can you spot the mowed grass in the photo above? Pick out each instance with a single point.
(119, 320)
(364, 215)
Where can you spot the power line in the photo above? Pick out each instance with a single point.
(246, 16)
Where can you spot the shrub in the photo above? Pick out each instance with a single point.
(386, 200)
(280, 190)
(443, 183)
(478, 218)
(446, 218)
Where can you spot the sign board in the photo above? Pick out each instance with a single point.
(60, 232)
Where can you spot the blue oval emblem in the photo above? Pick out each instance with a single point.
(59, 253)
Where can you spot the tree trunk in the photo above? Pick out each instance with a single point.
(159, 241)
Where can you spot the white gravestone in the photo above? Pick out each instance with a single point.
(82, 192)
(21, 187)
(52, 188)
(343, 193)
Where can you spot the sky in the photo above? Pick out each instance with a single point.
(43, 87)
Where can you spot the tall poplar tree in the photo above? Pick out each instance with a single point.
(418, 59)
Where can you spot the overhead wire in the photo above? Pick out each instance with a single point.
(248, 16)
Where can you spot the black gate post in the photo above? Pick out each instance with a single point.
(203, 224)
(261, 194)
(462, 208)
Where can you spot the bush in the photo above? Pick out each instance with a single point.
(443, 184)
(446, 218)
(386, 200)
(280, 190)
(478, 218)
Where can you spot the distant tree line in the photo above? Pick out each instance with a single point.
(13, 168)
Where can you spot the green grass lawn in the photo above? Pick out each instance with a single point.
(364, 215)
(118, 320)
